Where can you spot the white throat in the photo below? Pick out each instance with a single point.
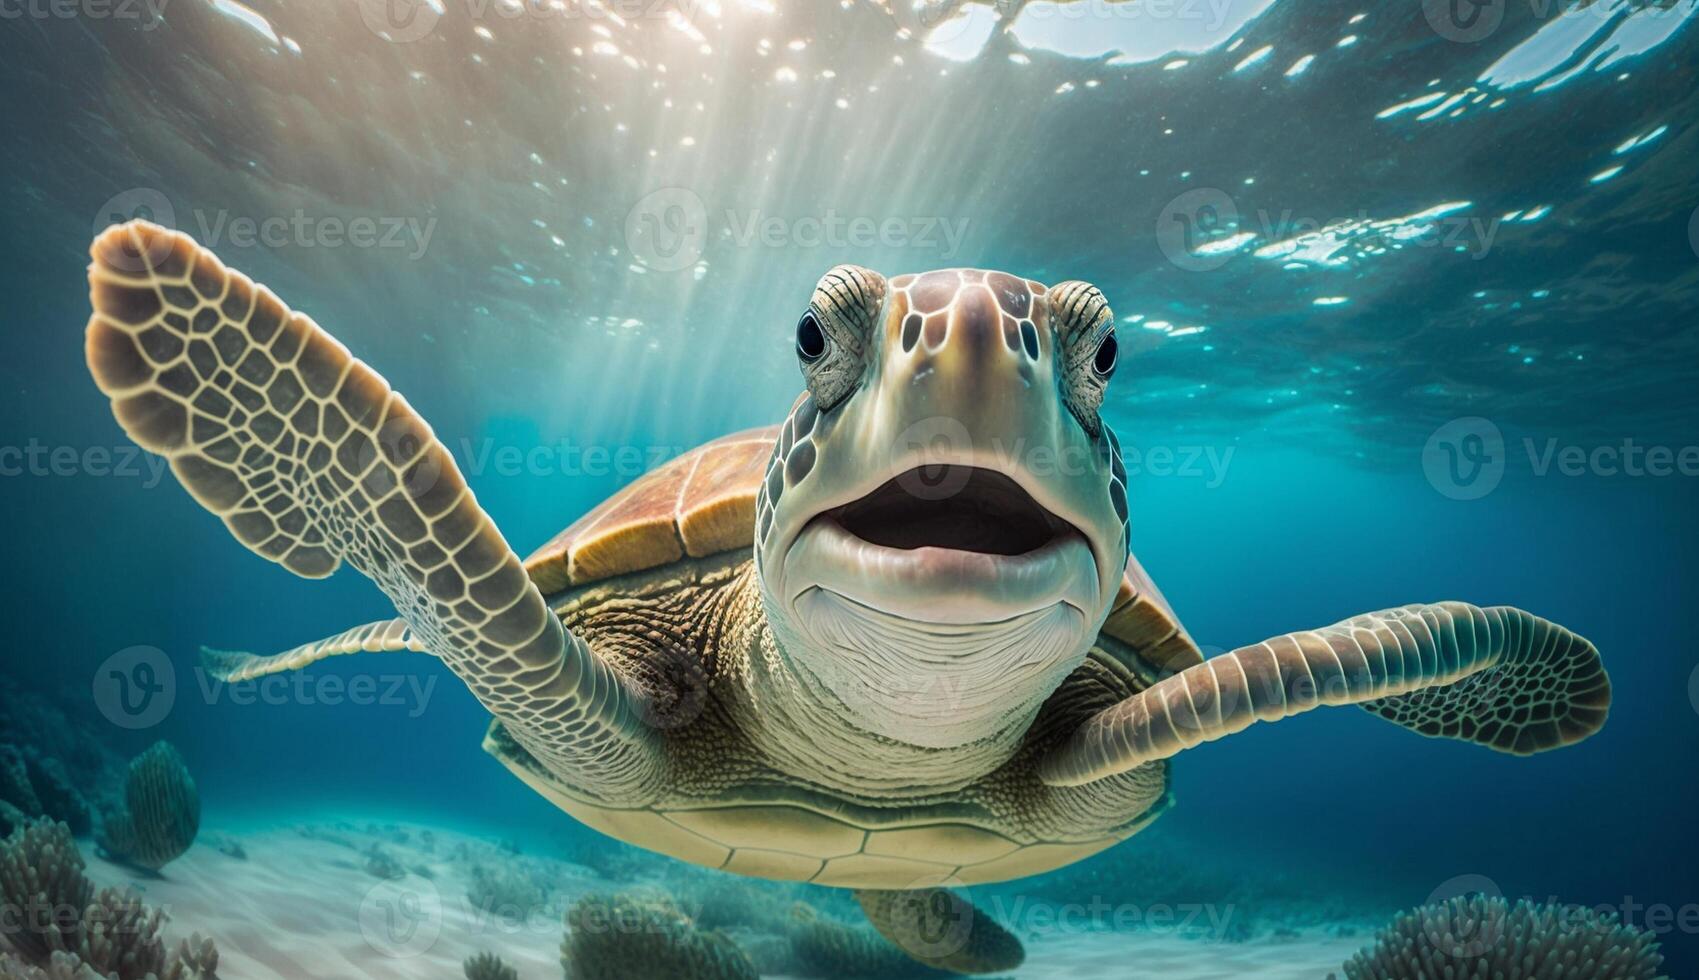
(932, 685)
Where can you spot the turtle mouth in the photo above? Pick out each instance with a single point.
(959, 508)
(944, 544)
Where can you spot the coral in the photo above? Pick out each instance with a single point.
(11, 818)
(1487, 937)
(42, 889)
(511, 890)
(62, 966)
(35, 785)
(15, 785)
(624, 937)
(724, 902)
(488, 966)
(162, 811)
(825, 948)
(59, 927)
(59, 796)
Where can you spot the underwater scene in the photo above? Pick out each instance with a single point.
(887, 488)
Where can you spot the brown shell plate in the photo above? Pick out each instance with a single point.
(700, 504)
(703, 503)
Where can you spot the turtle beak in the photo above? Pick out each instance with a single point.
(944, 544)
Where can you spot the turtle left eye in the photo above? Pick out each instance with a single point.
(810, 339)
(1107, 352)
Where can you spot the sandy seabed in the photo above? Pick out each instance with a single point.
(303, 903)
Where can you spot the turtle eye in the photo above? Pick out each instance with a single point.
(1104, 361)
(1082, 320)
(810, 339)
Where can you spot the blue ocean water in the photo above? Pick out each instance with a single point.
(1407, 301)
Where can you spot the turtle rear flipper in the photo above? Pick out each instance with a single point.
(384, 636)
(1499, 677)
(311, 460)
(941, 929)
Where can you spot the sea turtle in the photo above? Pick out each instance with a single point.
(896, 643)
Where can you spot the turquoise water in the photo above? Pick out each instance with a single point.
(578, 244)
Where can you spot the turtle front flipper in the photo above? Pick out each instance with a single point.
(312, 460)
(941, 929)
(1499, 677)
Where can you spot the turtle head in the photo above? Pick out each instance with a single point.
(944, 521)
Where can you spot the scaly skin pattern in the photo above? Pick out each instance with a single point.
(738, 702)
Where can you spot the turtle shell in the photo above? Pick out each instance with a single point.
(703, 503)
(700, 504)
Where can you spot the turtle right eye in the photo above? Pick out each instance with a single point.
(810, 339)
